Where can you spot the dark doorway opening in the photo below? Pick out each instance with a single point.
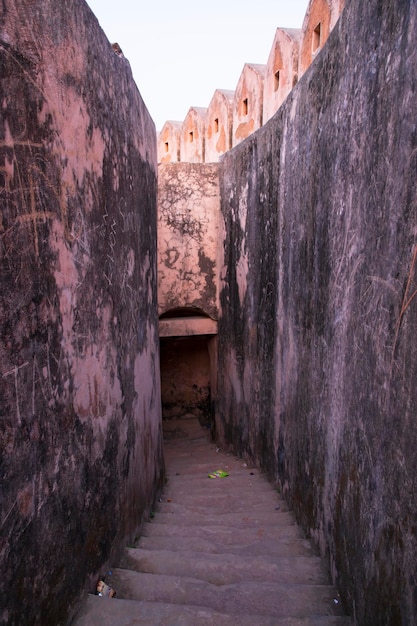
(188, 376)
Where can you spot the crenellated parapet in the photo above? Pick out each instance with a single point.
(169, 143)
(232, 115)
(281, 70)
(248, 102)
(192, 136)
(219, 125)
(319, 20)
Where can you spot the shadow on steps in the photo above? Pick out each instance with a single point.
(217, 551)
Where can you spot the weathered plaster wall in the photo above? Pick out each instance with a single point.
(319, 20)
(206, 134)
(281, 73)
(192, 134)
(168, 142)
(317, 360)
(80, 433)
(219, 125)
(188, 218)
(248, 102)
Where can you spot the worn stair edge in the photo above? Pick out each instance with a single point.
(223, 569)
(203, 456)
(115, 612)
(200, 454)
(221, 534)
(213, 488)
(228, 520)
(243, 598)
(208, 496)
(97, 611)
(219, 509)
(285, 546)
(236, 472)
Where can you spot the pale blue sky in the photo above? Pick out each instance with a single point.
(181, 51)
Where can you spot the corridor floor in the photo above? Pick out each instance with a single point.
(216, 551)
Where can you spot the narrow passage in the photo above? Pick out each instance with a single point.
(221, 551)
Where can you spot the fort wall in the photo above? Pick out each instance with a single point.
(248, 102)
(188, 272)
(188, 236)
(169, 143)
(317, 325)
(281, 73)
(219, 125)
(80, 432)
(301, 242)
(260, 91)
(192, 136)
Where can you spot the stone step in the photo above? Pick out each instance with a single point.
(202, 485)
(114, 612)
(215, 488)
(202, 455)
(221, 534)
(225, 569)
(217, 552)
(221, 507)
(226, 500)
(283, 547)
(243, 519)
(213, 494)
(192, 471)
(243, 598)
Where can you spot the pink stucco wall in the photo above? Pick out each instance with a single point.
(80, 437)
(188, 222)
(281, 70)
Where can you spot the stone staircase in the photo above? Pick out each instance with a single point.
(217, 552)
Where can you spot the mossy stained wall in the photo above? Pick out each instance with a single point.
(188, 218)
(317, 327)
(80, 433)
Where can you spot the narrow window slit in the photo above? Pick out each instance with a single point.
(276, 80)
(317, 37)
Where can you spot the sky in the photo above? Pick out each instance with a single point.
(181, 51)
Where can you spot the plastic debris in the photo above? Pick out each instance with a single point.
(105, 590)
(218, 474)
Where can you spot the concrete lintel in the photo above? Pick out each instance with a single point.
(187, 326)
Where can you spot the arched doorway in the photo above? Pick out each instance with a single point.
(188, 346)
